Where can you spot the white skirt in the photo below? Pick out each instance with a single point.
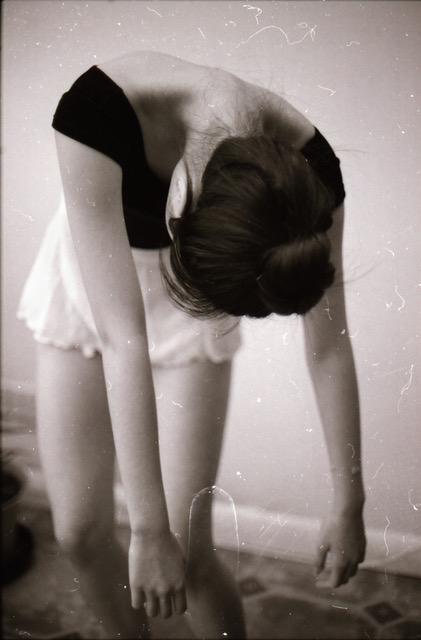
(55, 307)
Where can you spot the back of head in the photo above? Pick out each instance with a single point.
(255, 242)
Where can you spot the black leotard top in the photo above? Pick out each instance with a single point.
(96, 112)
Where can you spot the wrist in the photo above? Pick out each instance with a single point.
(156, 524)
(149, 533)
(352, 471)
(349, 502)
(348, 489)
(150, 521)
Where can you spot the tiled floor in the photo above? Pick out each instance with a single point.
(281, 599)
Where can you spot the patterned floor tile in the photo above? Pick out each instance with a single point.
(280, 599)
(277, 617)
(383, 612)
(250, 586)
(405, 630)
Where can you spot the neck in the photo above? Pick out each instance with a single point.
(201, 143)
(197, 153)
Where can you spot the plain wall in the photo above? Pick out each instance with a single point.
(353, 69)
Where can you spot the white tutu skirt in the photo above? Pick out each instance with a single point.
(55, 307)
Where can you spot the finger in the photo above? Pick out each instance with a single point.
(352, 570)
(165, 606)
(349, 572)
(321, 558)
(323, 580)
(180, 602)
(138, 599)
(152, 606)
(339, 571)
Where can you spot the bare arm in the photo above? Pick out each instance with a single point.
(92, 189)
(331, 365)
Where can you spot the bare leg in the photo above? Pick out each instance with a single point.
(192, 403)
(77, 453)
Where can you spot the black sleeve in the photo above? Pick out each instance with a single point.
(323, 160)
(96, 112)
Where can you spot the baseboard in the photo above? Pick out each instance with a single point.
(17, 404)
(267, 533)
(248, 528)
(294, 537)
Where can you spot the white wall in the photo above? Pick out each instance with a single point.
(353, 68)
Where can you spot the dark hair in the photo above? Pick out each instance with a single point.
(253, 245)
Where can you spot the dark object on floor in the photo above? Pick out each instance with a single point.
(250, 586)
(21, 556)
(65, 635)
(17, 541)
(383, 612)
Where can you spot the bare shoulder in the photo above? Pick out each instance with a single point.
(172, 96)
(147, 76)
(296, 128)
(149, 72)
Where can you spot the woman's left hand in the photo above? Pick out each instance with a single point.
(342, 537)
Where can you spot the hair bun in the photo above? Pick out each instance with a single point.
(296, 275)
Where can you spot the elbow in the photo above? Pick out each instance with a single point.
(117, 331)
(123, 341)
(320, 351)
(127, 347)
(315, 360)
(337, 355)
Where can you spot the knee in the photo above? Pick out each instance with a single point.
(83, 541)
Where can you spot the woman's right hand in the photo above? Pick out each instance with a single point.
(157, 574)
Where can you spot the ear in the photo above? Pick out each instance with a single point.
(177, 195)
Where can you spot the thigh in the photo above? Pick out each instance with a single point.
(192, 403)
(75, 437)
